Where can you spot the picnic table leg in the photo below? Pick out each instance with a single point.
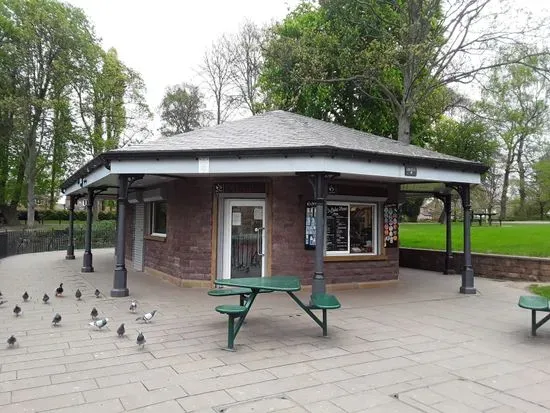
(231, 332)
(325, 329)
(247, 304)
(534, 324)
(322, 324)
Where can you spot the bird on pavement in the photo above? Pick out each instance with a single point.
(25, 296)
(59, 290)
(147, 317)
(78, 294)
(3, 302)
(97, 293)
(17, 310)
(94, 313)
(121, 330)
(56, 319)
(11, 341)
(140, 339)
(46, 298)
(133, 306)
(99, 323)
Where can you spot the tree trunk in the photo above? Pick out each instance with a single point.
(30, 174)
(521, 174)
(504, 195)
(6, 131)
(404, 132)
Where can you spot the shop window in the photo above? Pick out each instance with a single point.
(157, 218)
(351, 229)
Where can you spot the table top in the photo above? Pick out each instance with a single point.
(275, 283)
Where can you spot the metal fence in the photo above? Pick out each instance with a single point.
(41, 240)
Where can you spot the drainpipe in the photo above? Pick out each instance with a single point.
(70, 245)
(87, 258)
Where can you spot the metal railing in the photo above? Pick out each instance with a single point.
(27, 241)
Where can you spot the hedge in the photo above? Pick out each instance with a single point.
(63, 215)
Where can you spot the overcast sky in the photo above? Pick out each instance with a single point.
(164, 40)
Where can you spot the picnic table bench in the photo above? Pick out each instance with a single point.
(535, 303)
(243, 293)
(257, 285)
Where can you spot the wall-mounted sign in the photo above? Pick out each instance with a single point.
(391, 226)
(204, 165)
(410, 170)
(310, 228)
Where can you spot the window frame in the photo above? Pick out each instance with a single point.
(375, 229)
(151, 219)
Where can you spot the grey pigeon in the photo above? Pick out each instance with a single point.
(11, 341)
(46, 298)
(17, 310)
(121, 330)
(133, 306)
(25, 296)
(147, 317)
(94, 313)
(56, 319)
(59, 290)
(99, 323)
(3, 302)
(78, 294)
(140, 339)
(97, 293)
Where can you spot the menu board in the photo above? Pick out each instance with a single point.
(391, 226)
(337, 227)
(310, 227)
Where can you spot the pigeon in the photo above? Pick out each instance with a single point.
(56, 319)
(45, 298)
(121, 330)
(78, 294)
(25, 296)
(94, 313)
(97, 293)
(147, 317)
(17, 310)
(140, 339)
(11, 341)
(99, 323)
(59, 290)
(3, 302)
(133, 306)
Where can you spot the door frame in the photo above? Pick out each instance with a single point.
(225, 227)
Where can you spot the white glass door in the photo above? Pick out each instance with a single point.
(244, 238)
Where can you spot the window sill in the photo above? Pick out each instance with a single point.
(341, 258)
(158, 238)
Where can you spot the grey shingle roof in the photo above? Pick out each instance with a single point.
(286, 131)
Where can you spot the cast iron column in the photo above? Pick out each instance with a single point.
(448, 235)
(70, 245)
(467, 286)
(120, 288)
(87, 259)
(320, 193)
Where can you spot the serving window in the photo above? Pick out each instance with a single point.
(351, 228)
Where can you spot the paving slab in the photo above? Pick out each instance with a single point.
(415, 346)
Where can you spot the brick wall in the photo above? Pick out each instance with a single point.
(185, 253)
(485, 265)
(129, 224)
(290, 195)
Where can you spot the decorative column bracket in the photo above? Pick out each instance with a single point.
(467, 286)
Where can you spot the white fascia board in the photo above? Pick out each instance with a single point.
(289, 165)
(88, 180)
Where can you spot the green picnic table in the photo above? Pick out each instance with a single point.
(288, 284)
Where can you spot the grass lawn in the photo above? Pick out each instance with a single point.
(543, 290)
(531, 240)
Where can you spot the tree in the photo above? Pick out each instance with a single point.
(540, 187)
(515, 109)
(182, 110)
(247, 63)
(311, 62)
(411, 50)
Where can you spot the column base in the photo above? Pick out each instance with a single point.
(87, 269)
(318, 285)
(87, 262)
(120, 292)
(69, 257)
(468, 290)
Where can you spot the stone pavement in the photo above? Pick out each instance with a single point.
(417, 346)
